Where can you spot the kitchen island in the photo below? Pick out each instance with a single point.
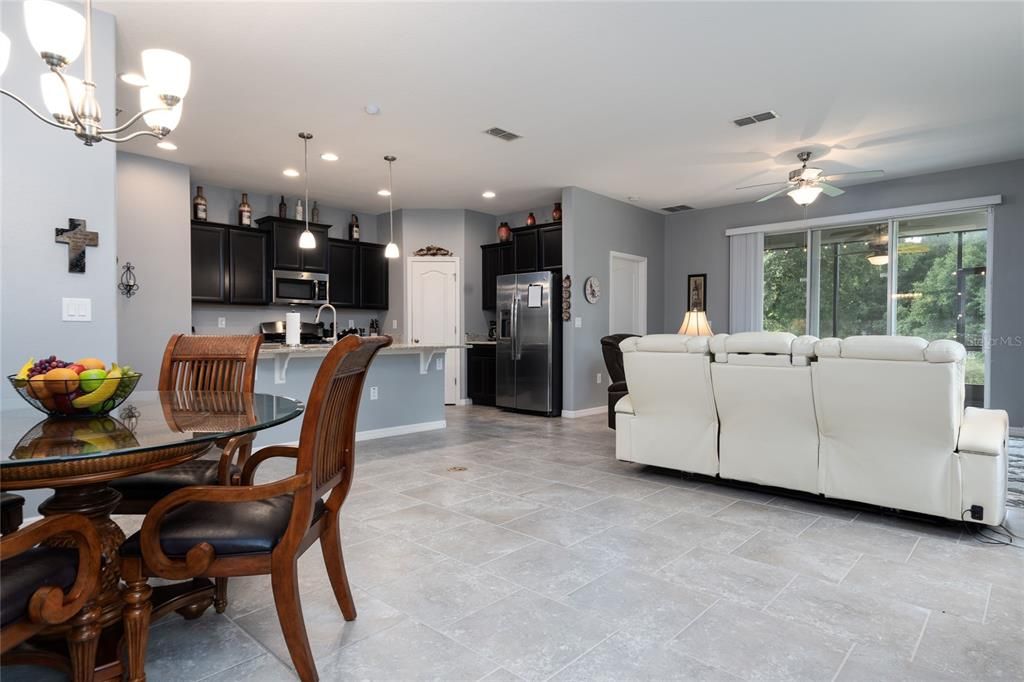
(403, 392)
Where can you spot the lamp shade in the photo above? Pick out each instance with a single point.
(307, 240)
(804, 195)
(5, 52)
(55, 97)
(391, 250)
(54, 29)
(695, 323)
(162, 117)
(167, 72)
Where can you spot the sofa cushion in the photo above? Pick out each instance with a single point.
(760, 342)
(757, 359)
(945, 350)
(27, 572)
(908, 348)
(657, 343)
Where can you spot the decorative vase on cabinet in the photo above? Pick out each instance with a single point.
(531, 220)
(504, 232)
(556, 214)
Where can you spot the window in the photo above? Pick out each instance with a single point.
(785, 282)
(853, 280)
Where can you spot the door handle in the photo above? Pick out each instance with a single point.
(415, 340)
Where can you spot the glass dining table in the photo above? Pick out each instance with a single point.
(78, 457)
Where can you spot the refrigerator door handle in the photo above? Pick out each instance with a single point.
(515, 328)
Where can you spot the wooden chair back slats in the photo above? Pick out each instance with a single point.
(210, 363)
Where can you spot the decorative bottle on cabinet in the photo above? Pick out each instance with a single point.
(353, 228)
(199, 205)
(298, 209)
(314, 215)
(282, 209)
(504, 232)
(531, 219)
(556, 214)
(245, 211)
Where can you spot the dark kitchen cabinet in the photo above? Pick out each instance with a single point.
(247, 267)
(343, 269)
(550, 242)
(373, 276)
(496, 259)
(480, 386)
(284, 241)
(526, 247)
(209, 277)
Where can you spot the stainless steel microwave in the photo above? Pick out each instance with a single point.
(290, 286)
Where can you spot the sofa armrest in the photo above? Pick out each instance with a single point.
(624, 406)
(984, 432)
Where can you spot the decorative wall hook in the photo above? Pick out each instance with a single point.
(128, 285)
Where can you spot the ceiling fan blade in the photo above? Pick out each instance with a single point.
(830, 190)
(774, 194)
(767, 184)
(862, 174)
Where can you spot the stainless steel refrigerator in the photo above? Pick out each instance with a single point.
(528, 352)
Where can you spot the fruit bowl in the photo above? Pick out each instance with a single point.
(76, 397)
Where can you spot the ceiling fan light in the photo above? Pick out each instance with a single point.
(162, 117)
(56, 31)
(307, 240)
(391, 250)
(804, 195)
(879, 259)
(55, 97)
(167, 72)
(5, 52)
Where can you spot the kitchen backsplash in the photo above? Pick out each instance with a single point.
(247, 319)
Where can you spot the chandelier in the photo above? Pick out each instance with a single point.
(57, 33)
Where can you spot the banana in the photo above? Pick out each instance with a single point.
(101, 442)
(22, 374)
(101, 394)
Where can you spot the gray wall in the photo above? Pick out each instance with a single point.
(153, 218)
(46, 177)
(394, 317)
(592, 226)
(479, 230)
(695, 242)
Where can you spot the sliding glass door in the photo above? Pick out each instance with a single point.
(852, 281)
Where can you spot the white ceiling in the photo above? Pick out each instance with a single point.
(622, 99)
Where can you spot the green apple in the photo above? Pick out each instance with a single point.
(91, 379)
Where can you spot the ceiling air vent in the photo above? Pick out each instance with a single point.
(677, 209)
(502, 134)
(755, 118)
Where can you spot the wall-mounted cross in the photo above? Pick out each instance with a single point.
(77, 237)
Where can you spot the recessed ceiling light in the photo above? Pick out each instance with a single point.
(384, 192)
(291, 172)
(169, 146)
(372, 109)
(132, 78)
(489, 194)
(329, 156)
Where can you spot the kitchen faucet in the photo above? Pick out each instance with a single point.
(334, 328)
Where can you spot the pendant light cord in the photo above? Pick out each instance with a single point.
(305, 173)
(391, 201)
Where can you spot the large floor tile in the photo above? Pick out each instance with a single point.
(385, 559)
(189, 650)
(1001, 565)
(814, 507)
(643, 607)
(990, 652)
(496, 507)
(703, 531)
(409, 651)
(874, 540)
(416, 522)
(366, 504)
(692, 501)
(853, 614)
(509, 482)
(726, 575)
(622, 511)
(563, 496)
(265, 668)
(870, 664)
(816, 559)
(444, 492)
(476, 542)
(619, 659)
(1005, 606)
(552, 570)
(923, 586)
(529, 635)
(623, 486)
(558, 526)
(766, 516)
(755, 645)
(401, 479)
(640, 550)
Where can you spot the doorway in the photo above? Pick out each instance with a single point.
(627, 294)
(433, 305)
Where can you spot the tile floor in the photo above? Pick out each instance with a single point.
(545, 558)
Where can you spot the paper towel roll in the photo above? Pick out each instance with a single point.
(292, 329)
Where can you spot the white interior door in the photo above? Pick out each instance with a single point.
(627, 295)
(433, 308)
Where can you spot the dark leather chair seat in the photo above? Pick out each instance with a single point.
(25, 573)
(231, 528)
(616, 372)
(153, 485)
(11, 514)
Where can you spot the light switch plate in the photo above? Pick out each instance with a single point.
(76, 310)
(394, 324)
(438, 365)
(578, 322)
(222, 322)
(373, 392)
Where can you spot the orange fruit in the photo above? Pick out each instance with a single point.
(37, 387)
(91, 363)
(61, 380)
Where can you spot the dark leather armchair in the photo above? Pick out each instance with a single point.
(617, 374)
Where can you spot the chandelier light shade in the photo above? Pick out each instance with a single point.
(168, 73)
(57, 32)
(879, 259)
(695, 323)
(391, 250)
(804, 195)
(307, 240)
(59, 35)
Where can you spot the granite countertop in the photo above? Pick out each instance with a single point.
(270, 350)
(481, 343)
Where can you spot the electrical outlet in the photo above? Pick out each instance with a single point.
(394, 324)
(438, 365)
(373, 392)
(598, 378)
(351, 324)
(578, 323)
(222, 322)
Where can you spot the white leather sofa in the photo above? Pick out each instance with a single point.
(874, 419)
(669, 418)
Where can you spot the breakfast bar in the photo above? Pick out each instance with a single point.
(403, 393)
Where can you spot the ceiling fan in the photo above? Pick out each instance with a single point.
(805, 184)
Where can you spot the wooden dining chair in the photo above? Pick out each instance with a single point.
(198, 363)
(221, 531)
(44, 586)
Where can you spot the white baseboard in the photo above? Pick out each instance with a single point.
(373, 434)
(1017, 431)
(462, 402)
(586, 412)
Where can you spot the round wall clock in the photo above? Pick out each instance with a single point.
(592, 290)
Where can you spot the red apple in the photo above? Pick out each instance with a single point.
(78, 369)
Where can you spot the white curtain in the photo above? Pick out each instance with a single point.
(746, 282)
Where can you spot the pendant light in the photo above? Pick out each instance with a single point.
(306, 239)
(391, 250)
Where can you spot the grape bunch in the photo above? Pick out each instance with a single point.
(45, 365)
(129, 378)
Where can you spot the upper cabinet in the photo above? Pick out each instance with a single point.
(359, 275)
(247, 266)
(526, 248)
(343, 287)
(549, 241)
(284, 240)
(531, 248)
(209, 278)
(373, 276)
(497, 259)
